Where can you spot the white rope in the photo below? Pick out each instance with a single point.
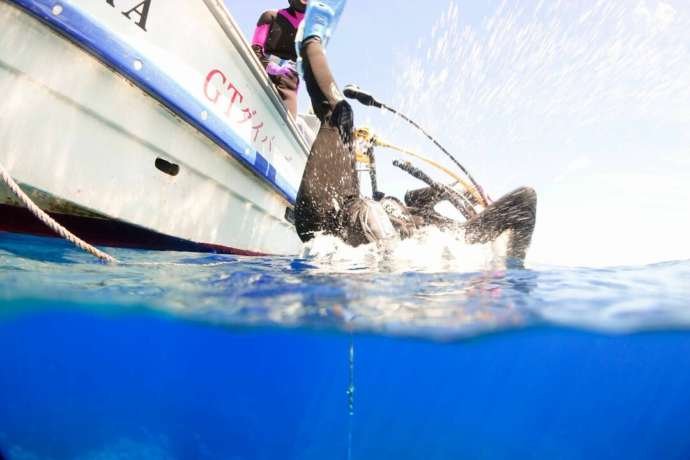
(49, 221)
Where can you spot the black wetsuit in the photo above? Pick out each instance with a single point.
(330, 185)
(515, 212)
(329, 198)
(279, 41)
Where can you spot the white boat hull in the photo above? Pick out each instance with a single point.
(86, 139)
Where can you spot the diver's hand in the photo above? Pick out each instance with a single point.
(342, 118)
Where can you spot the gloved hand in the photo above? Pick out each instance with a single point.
(276, 70)
(342, 118)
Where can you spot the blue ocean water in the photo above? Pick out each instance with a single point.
(197, 356)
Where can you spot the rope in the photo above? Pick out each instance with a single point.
(49, 221)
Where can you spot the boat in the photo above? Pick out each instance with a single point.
(145, 124)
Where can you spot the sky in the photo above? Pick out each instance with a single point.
(587, 102)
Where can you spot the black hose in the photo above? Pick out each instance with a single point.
(446, 152)
(460, 202)
(354, 92)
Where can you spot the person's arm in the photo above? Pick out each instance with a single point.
(263, 29)
(328, 102)
(315, 57)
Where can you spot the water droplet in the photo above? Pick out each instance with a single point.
(57, 10)
(138, 65)
(204, 115)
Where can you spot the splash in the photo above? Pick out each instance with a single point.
(588, 102)
(432, 250)
(538, 65)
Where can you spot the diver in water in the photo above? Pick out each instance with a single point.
(274, 45)
(329, 199)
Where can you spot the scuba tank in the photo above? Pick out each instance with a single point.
(320, 20)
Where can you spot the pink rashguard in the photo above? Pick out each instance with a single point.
(261, 35)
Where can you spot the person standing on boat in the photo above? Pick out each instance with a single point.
(274, 45)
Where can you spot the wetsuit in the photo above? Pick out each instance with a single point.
(329, 200)
(515, 212)
(330, 186)
(274, 44)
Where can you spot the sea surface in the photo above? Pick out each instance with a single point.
(412, 353)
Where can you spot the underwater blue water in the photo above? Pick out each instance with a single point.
(196, 356)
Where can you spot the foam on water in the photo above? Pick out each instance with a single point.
(431, 250)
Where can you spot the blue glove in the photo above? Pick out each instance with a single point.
(320, 21)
